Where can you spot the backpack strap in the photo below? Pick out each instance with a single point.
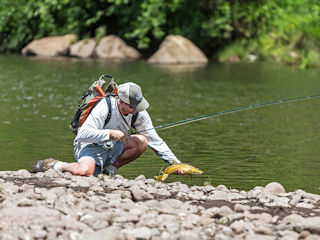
(110, 110)
(134, 118)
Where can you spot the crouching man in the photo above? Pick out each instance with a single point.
(101, 147)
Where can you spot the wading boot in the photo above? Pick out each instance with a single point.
(110, 170)
(44, 165)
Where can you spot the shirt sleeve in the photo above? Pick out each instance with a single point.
(92, 129)
(145, 127)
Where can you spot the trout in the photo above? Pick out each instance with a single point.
(187, 169)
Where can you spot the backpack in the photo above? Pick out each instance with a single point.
(91, 98)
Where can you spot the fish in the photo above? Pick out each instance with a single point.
(187, 169)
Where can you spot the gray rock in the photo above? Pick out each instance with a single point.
(208, 189)
(26, 214)
(310, 196)
(138, 233)
(110, 233)
(295, 199)
(140, 178)
(274, 188)
(238, 226)
(140, 195)
(264, 217)
(163, 193)
(288, 235)
(260, 237)
(225, 211)
(241, 208)
(23, 173)
(218, 196)
(171, 203)
(296, 221)
(222, 188)
(304, 205)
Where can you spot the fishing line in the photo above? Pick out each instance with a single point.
(194, 119)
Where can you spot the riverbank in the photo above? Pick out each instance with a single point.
(52, 205)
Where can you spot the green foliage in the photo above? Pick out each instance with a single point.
(282, 30)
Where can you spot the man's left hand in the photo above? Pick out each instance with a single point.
(179, 172)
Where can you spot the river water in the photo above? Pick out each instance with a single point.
(240, 150)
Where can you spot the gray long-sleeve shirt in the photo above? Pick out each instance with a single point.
(94, 131)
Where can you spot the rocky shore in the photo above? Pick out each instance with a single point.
(54, 205)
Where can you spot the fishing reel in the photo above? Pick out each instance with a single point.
(108, 145)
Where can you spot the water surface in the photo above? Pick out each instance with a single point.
(240, 150)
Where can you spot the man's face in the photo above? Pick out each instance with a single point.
(125, 109)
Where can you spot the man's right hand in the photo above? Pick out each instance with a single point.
(118, 135)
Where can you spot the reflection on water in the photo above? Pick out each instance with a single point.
(179, 68)
(240, 150)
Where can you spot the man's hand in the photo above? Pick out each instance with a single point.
(179, 172)
(118, 135)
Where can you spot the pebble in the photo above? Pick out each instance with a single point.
(74, 207)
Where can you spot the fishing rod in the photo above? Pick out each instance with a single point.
(194, 119)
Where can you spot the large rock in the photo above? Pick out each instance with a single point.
(50, 46)
(114, 48)
(178, 50)
(274, 188)
(83, 48)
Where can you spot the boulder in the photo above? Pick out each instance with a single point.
(274, 188)
(83, 48)
(114, 48)
(178, 50)
(50, 46)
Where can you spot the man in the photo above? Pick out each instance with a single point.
(100, 148)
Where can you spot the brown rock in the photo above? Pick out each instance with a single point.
(114, 48)
(178, 50)
(83, 48)
(50, 46)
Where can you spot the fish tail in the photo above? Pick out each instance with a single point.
(164, 177)
(158, 178)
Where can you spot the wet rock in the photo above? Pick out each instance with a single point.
(49, 46)
(178, 50)
(83, 49)
(112, 47)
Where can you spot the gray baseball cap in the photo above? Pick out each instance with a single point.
(131, 94)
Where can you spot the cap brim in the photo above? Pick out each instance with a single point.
(143, 105)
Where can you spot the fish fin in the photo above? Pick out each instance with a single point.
(164, 177)
(158, 178)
